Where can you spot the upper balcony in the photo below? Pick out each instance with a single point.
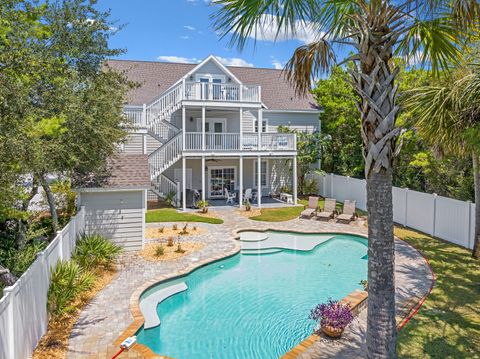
(228, 142)
(223, 92)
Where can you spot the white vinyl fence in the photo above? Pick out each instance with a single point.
(442, 217)
(23, 307)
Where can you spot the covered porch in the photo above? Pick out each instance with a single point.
(259, 178)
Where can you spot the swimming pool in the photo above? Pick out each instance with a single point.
(256, 303)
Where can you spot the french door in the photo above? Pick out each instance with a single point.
(219, 179)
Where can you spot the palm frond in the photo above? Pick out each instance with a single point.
(307, 62)
(437, 43)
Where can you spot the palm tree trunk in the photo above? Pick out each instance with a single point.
(381, 328)
(476, 179)
(374, 82)
(51, 202)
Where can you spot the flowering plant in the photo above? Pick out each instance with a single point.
(332, 314)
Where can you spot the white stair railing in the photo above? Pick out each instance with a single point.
(164, 106)
(165, 156)
(164, 186)
(163, 131)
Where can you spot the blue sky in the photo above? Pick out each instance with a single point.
(181, 31)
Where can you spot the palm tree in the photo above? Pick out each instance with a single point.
(448, 116)
(374, 31)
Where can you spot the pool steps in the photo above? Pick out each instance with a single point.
(255, 241)
(148, 305)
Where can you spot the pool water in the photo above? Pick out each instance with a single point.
(255, 306)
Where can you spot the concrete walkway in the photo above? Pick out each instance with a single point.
(108, 315)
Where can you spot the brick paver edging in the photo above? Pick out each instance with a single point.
(357, 301)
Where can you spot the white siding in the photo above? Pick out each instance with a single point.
(117, 215)
(306, 122)
(152, 144)
(210, 68)
(133, 145)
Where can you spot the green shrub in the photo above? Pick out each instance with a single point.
(68, 281)
(94, 250)
(159, 250)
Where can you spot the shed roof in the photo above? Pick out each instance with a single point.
(124, 172)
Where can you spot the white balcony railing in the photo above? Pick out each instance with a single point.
(222, 92)
(194, 141)
(135, 114)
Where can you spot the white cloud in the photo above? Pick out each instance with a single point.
(185, 37)
(268, 26)
(188, 27)
(234, 61)
(278, 65)
(180, 59)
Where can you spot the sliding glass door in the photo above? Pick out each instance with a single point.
(219, 179)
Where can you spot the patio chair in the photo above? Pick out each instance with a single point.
(311, 209)
(230, 197)
(248, 195)
(329, 209)
(349, 213)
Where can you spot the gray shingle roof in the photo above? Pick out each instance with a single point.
(128, 171)
(156, 77)
(122, 172)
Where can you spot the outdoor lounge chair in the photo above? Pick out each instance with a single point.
(311, 209)
(230, 197)
(349, 214)
(329, 209)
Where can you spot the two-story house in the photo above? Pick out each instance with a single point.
(214, 128)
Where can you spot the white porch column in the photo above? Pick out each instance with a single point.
(240, 183)
(260, 123)
(144, 143)
(203, 128)
(294, 182)
(184, 183)
(259, 182)
(183, 127)
(203, 179)
(241, 131)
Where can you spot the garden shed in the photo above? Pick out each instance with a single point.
(115, 204)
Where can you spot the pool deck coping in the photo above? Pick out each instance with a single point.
(357, 305)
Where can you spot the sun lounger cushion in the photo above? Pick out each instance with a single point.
(345, 217)
(308, 212)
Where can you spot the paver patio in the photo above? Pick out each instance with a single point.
(109, 314)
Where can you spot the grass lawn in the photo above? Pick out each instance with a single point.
(448, 324)
(287, 213)
(172, 215)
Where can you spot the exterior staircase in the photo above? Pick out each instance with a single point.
(158, 114)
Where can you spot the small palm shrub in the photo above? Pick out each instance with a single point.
(94, 250)
(175, 227)
(179, 248)
(170, 242)
(68, 281)
(184, 230)
(159, 250)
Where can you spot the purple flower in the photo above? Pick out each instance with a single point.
(332, 314)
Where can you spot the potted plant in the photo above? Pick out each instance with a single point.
(247, 205)
(333, 317)
(203, 205)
